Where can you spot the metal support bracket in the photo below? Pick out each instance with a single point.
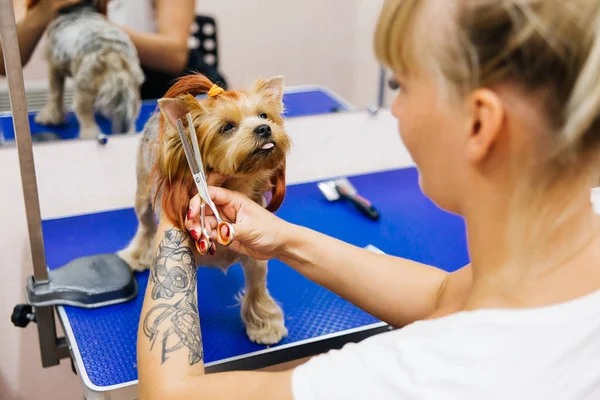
(50, 345)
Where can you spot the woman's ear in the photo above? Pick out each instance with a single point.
(173, 109)
(485, 124)
(278, 190)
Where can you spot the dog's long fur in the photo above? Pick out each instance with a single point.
(104, 64)
(165, 184)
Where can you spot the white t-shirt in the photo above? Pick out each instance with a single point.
(135, 14)
(547, 353)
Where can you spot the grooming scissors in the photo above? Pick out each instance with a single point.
(194, 159)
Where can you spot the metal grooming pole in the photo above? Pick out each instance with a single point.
(52, 348)
(374, 108)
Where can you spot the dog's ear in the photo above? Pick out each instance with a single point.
(272, 87)
(278, 190)
(174, 109)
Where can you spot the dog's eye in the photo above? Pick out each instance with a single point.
(263, 115)
(227, 128)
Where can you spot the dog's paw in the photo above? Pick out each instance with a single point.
(263, 318)
(271, 333)
(147, 259)
(50, 115)
(91, 132)
(135, 263)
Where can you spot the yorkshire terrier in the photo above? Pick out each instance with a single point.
(241, 136)
(103, 62)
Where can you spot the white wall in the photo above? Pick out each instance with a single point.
(316, 42)
(328, 43)
(309, 41)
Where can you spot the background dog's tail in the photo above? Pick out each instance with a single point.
(119, 95)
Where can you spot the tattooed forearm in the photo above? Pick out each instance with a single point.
(173, 276)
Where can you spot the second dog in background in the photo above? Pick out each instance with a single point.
(103, 63)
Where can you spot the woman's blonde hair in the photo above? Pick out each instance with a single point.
(544, 45)
(550, 48)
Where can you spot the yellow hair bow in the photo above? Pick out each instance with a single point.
(215, 90)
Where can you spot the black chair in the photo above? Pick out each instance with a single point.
(203, 58)
(204, 51)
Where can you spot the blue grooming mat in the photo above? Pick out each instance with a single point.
(310, 102)
(411, 226)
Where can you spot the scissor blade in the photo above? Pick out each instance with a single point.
(194, 140)
(199, 176)
(202, 189)
(187, 148)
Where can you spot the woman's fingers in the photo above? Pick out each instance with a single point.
(194, 210)
(193, 226)
(221, 196)
(227, 202)
(59, 4)
(210, 222)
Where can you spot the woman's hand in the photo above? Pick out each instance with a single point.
(49, 8)
(258, 233)
(31, 25)
(58, 4)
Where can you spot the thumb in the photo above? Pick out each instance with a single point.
(224, 197)
(241, 233)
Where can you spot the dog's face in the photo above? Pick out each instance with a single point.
(239, 133)
(244, 134)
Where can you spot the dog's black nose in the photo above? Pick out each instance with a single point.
(264, 131)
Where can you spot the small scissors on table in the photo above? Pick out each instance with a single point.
(192, 153)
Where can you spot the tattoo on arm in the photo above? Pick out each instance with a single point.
(174, 274)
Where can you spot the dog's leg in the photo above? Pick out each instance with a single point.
(139, 252)
(262, 317)
(84, 111)
(53, 112)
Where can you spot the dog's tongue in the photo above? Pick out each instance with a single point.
(267, 146)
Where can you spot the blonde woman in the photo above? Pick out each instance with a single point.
(499, 106)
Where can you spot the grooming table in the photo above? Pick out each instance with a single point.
(103, 341)
(298, 100)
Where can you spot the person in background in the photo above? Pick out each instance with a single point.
(159, 30)
(31, 25)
